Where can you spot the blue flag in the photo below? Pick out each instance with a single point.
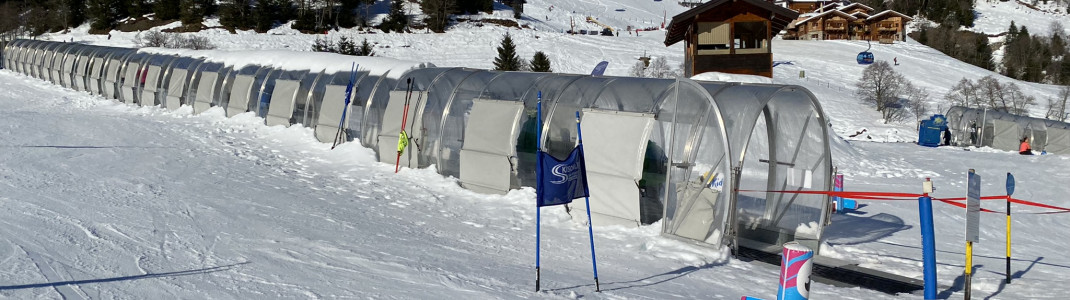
(600, 68)
(560, 181)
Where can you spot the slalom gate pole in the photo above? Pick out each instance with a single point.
(969, 268)
(1008, 239)
(590, 230)
(349, 93)
(404, 118)
(928, 241)
(1010, 191)
(538, 177)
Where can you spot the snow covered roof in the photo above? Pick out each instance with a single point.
(829, 6)
(834, 12)
(680, 24)
(297, 60)
(853, 5)
(860, 15)
(888, 13)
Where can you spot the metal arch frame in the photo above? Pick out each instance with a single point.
(195, 78)
(254, 104)
(116, 61)
(139, 58)
(743, 150)
(544, 131)
(437, 144)
(168, 72)
(95, 69)
(71, 55)
(360, 77)
(167, 60)
(308, 98)
(365, 141)
(693, 142)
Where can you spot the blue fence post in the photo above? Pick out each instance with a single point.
(928, 241)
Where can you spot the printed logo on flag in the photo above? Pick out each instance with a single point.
(560, 181)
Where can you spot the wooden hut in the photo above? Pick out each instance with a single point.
(729, 36)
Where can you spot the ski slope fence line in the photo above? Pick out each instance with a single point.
(888, 196)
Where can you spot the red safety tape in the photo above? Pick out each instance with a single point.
(1030, 203)
(963, 205)
(850, 194)
(889, 196)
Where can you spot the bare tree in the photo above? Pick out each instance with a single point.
(881, 86)
(638, 70)
(964, 93)
(659, 68)
(990, 93)
(152, 38)
(1057, 106)
(916, 98)
(1018, 101)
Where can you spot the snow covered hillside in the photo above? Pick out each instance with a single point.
(107, 200)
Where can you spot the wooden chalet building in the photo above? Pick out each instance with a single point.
(729, 36)
(849, 22)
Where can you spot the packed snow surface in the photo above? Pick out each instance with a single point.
(106, 200)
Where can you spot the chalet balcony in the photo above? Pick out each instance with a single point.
(882, 28)
(835, 27)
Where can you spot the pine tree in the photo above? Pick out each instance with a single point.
(540, 63)
(322, 45)
(234, 14)
(438, 13)
(103, 13)
(396, 20)
(347, 46)
(75, 12)
(166, 9)
(137, 8)
(365, 49)
(1012, 33)
(192, 12)
(507, 59)
(346, 17)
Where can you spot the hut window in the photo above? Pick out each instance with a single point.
(751, 37)
(713, 38)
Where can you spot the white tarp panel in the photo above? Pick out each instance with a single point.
(111, 78)
(130, 83)
(68, 69)
(490, 145)
(1058, 141)
(1007, 135)
(240, 94)
(176, 88)
(391, 128)
(80, 72)
(205, 91)
(620, 139)
(152, 79)
(283, 97)
(95, 76)
(331, 113)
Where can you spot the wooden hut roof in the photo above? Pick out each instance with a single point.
(680, 23)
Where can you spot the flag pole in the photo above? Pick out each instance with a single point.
(349, 93)
(587, 199)
(538, 209)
